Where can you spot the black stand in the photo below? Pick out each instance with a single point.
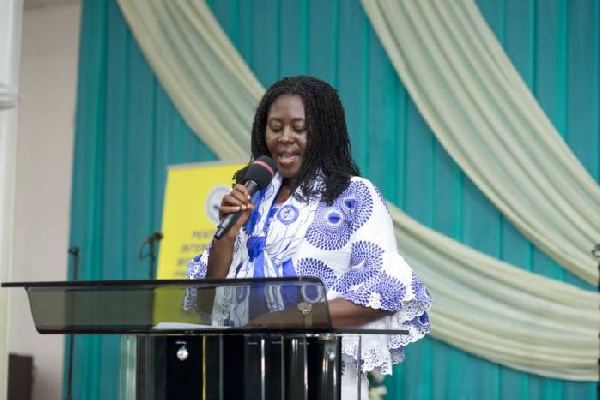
(74, 253)
(152, 241)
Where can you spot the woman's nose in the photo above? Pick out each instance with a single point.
(287, 135)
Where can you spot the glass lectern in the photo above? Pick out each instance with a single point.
(207, 339)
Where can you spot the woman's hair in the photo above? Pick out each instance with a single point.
(328, 144)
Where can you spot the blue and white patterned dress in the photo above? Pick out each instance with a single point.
(350, 245)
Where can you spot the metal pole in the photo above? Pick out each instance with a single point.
(74, 253)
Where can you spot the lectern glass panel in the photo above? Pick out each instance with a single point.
(164, 307)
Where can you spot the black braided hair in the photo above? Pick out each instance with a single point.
(328, 144)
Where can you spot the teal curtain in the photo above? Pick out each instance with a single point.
(128, 132)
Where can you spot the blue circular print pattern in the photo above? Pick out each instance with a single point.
(334, 225)
(287, 214)
(318, 269)
(357, 203)
(380, 195)
(366, 277)
(421, 293)
(330, 230)
(366, 262)
(391, 291)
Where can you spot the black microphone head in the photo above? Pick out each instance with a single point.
(261, 171)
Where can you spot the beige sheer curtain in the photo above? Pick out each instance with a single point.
(486, 118)
(500, 312)
(207, 80)
(482, 305)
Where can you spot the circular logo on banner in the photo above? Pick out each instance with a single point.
(213, 201)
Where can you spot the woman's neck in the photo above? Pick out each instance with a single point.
(285, 191)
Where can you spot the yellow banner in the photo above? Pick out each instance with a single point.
(192, 197)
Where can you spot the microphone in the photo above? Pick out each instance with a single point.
(74, 251)
(259, 175)
(156, 236)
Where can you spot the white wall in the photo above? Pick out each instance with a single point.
(48, 82)
(11, 12)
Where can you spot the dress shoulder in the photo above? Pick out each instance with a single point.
(373, 190)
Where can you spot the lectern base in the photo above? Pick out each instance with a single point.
(262, 366)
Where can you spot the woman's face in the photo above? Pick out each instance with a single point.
(286, 134)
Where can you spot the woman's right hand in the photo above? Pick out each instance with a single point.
(221, 253)
(238, 199)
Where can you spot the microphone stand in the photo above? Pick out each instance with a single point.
(152, 240)
(74, 253)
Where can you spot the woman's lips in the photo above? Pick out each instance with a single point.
(287, 159)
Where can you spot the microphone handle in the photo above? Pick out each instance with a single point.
(229, 220)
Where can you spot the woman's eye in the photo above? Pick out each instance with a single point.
(276, 128)
(300, 129)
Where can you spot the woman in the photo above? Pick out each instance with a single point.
(319, 218)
